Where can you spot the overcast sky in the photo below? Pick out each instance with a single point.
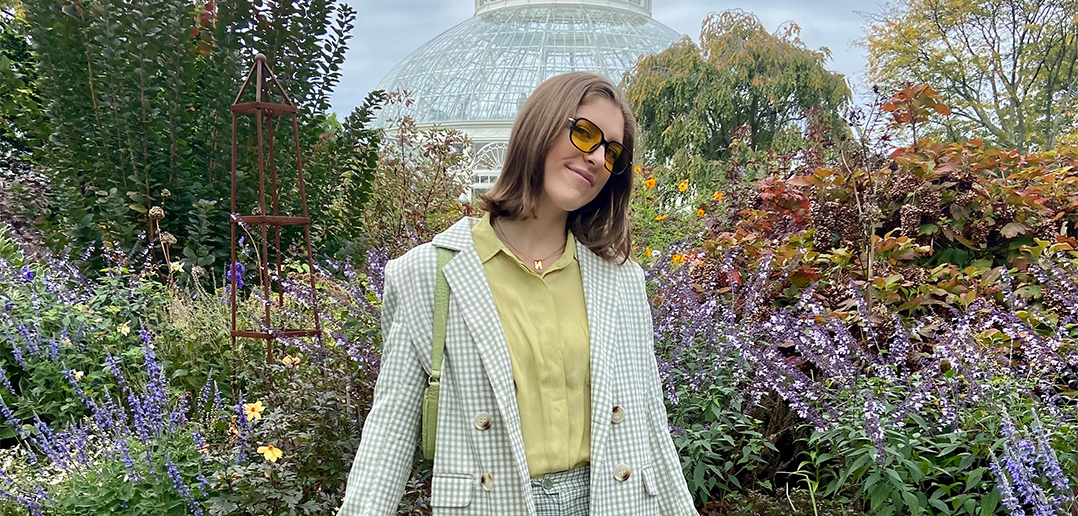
(388, 30)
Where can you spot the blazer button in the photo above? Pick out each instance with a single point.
(618, 415)
(488, 482)
(482, 420)
(621, 473)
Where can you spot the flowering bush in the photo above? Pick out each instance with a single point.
(103, 406)
(859, 391)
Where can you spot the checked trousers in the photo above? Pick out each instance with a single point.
(565, 493)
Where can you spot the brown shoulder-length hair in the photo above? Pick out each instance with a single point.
(602, 224)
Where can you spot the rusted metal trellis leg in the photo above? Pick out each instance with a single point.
(306, 228)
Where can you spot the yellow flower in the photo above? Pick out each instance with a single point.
(677, 258)
(253, 410)
(290, 360)
(718, 196)
(78, 375)
(650, 183)
(683, 186)
(175, 266)
(660, 217)
(700, 212)
(637, 169)
(124, 329)
(270, 452)
(647, 251)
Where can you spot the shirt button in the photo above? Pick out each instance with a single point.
(488, 481)
(482, 420)
(621, 473)
(618, 415)
(548, 484)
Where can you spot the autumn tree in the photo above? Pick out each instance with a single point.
(690, 100)
(1009, 70)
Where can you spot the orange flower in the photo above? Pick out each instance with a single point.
(647, 251)
(683, 186)
(270, 452)
(650, 183)
(700, 212)
(637, 169)
(253, 410)
(718, 196)
(677, 258)
(660, 217)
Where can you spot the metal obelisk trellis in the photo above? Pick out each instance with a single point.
(265, 112)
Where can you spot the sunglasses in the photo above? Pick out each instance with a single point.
(587, 137)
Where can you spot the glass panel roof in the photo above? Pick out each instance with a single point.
(485, 67)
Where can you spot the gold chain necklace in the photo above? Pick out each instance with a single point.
(538, 264)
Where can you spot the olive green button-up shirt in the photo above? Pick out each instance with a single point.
(545, 322)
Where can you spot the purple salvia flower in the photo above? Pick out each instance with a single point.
(242, 428)
(129, 463)
(200, 443)
(204, 394)
(1004, 486)
(10, 418)
(5, 381)
(177, 480)
(873, 429)
(1046, 456)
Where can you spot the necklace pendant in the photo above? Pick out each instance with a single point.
(538, 265)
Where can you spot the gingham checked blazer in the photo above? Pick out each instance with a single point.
(477, 380)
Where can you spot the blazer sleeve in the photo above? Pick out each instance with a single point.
(673, 492)
(391, 431)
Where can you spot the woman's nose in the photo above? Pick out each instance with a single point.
(597, 155)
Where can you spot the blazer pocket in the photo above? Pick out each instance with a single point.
(646, 476)
(452, 490)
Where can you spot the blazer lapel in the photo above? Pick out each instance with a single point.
(468, 285)
(595, 273)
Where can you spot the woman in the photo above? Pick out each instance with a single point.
(550, 395)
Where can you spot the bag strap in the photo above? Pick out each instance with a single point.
(441, 316)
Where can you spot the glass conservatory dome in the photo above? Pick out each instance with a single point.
(486, 67)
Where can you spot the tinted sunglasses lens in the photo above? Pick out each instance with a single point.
(585, 135)
(617, 160)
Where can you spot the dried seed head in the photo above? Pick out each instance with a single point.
(157, 213)
(167, 238)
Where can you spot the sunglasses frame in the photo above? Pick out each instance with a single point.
(602, 141)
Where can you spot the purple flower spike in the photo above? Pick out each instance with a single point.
(236, 272)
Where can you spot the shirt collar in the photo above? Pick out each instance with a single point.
(487, 244)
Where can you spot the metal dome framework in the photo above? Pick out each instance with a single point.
(487, 66)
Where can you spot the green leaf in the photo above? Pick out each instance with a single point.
(973, 478)
(878, 494)
(989, 502)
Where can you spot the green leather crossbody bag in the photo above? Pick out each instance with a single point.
(437, 350)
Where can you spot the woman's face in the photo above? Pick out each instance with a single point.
(571, 177)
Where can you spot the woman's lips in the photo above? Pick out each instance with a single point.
(582, 174)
